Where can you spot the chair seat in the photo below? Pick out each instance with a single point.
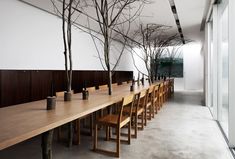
(139, 110)
(112, 120)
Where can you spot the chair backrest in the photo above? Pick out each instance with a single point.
(103, 86)
(136, 101)
(61, 93)
(161, 88)
(119, 83)
(142, 100)
(150, 93)
(126, 101)
(156, 91)
(91, 89)
(165, 86)
(114, 84)
(129, 81)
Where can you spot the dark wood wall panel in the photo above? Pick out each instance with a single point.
(23, 87)
(15, 85)
(41, 82)
(0, 88)
(20, 86)
(59, 80)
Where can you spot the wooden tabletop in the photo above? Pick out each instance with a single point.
(24, 121)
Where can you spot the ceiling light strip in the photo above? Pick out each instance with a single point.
(177, 21)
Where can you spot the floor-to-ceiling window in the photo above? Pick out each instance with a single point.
(223, 51)
(220, 63)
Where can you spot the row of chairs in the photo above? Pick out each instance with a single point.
(132, 112)
(77, 123)
(141, 106)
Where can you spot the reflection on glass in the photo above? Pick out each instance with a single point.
(211, 67)
(224, 53)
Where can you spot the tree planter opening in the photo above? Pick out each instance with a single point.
(51, 102)
(67, 96)
(85, 94)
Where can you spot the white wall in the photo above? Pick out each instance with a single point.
(32, 39)
(193, 66)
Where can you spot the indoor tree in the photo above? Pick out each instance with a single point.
(66, 10)
(151, 40)
(109, 26)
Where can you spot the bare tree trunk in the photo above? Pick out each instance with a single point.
(149, 77)
(110, 81)
(65, 44)
(69, 34)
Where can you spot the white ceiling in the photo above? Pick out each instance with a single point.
(190, 14)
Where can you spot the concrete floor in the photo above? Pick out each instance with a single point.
(183, 129)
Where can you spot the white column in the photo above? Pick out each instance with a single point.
(231, 132)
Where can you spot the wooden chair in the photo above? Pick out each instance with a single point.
(103, 87)
(149, 113)
(165, 91)
(129, 81)
(137, 111)
(114, 85)
(161, 89)
(156, 99)
(116, 121)
(91, 89)
(59, 94)
(119, 83)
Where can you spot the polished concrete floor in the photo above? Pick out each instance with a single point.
(183, 129)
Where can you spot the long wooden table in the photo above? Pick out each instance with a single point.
(24, 121)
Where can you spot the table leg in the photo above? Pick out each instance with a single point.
(70, 134)
(47, 144)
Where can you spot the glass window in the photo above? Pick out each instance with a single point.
(223, 44)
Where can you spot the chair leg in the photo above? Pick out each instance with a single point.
(145, 116)
(156, 107)
(150, 112)
(159, 105)
(152, 106)
(118, 142)
(142, 121)
(136, 125)
(129, 133)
